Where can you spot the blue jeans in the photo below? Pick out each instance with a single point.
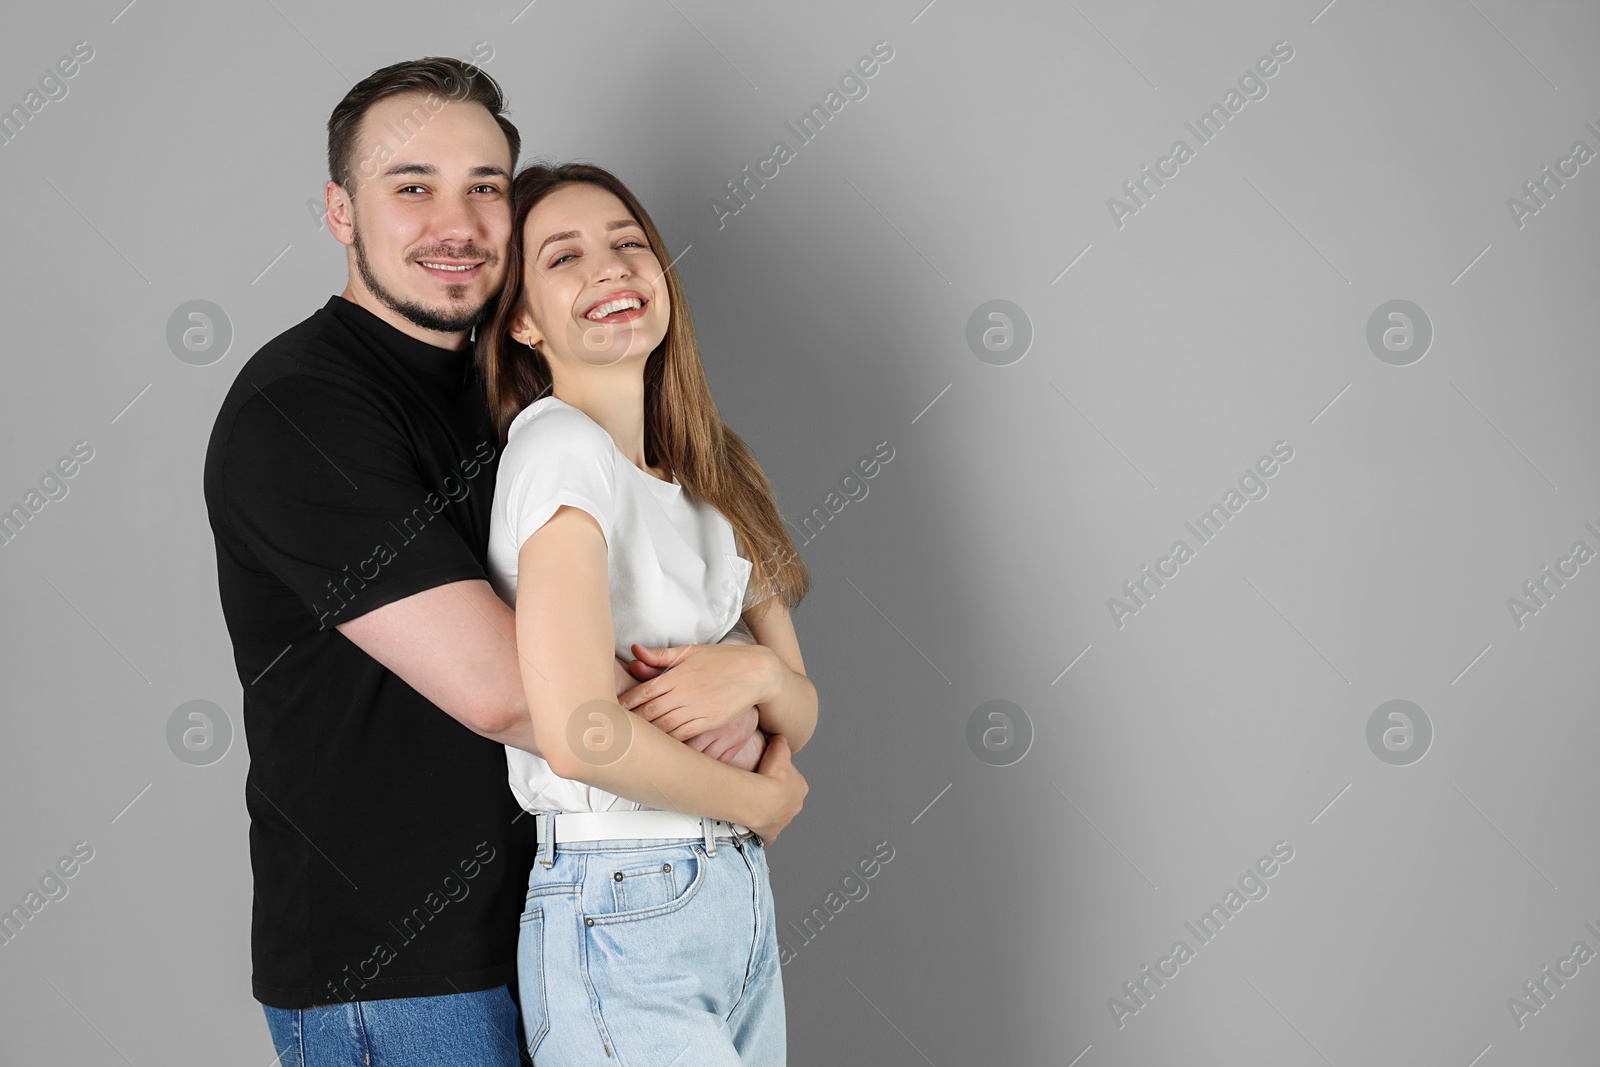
(443, 1031)
(650, 952)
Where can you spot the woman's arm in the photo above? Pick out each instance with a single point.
(738, 744)
(564, 639)
(741, 742)
(703, 686)
(789, 707)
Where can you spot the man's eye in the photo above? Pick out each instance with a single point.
(486, 189)
(409, 188)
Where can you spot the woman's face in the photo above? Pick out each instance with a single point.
(593, 291)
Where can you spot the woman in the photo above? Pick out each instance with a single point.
(629, 519)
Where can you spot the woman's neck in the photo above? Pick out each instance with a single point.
(618, 406)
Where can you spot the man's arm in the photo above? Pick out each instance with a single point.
(286, 481)
(456, 645)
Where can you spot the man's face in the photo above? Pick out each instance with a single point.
(430, 213)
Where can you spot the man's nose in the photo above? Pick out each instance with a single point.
(456, 219)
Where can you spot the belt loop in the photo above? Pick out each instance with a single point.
(545, 831)
(709, 826)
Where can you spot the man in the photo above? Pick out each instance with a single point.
(348, 482)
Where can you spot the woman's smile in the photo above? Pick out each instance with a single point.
(623, 305)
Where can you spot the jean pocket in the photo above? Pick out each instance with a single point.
(530, 979)
(640, 884)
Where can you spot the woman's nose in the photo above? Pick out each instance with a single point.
(609, 264)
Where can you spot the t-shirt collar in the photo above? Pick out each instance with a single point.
(442, 367)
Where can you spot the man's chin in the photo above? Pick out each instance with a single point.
(451, 316)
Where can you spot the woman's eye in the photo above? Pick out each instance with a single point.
(560, 259)
(635, 242)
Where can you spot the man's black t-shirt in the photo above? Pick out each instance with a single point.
(352, 466)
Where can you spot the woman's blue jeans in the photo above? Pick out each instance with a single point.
(648, 952)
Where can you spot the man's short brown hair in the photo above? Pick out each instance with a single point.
(440, 76)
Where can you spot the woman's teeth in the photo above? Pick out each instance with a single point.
(611, 307)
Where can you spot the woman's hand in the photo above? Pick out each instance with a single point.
(701, 687)
(788, 790)
(738, 744)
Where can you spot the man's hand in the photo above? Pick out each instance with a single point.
(701, 687)
(738, 744)
(748, 758)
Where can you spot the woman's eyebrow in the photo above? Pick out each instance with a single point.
(570, 234)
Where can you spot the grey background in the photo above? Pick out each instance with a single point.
(1228, 314)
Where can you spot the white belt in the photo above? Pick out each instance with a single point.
(555, 827)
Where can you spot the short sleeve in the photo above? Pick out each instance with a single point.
(755, 595)
(560, 456)
(323, 488)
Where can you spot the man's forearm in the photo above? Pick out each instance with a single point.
(516, 729)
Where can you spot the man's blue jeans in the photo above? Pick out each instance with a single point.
(445, 1031)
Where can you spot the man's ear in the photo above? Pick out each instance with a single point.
(341, 220)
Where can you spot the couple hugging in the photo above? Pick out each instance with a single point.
(437, 503)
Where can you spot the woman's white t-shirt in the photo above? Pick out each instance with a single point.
(676, 574)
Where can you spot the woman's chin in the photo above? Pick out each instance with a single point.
(607, 352)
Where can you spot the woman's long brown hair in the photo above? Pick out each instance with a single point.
(682, 430)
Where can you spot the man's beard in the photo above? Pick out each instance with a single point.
(447, 321)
